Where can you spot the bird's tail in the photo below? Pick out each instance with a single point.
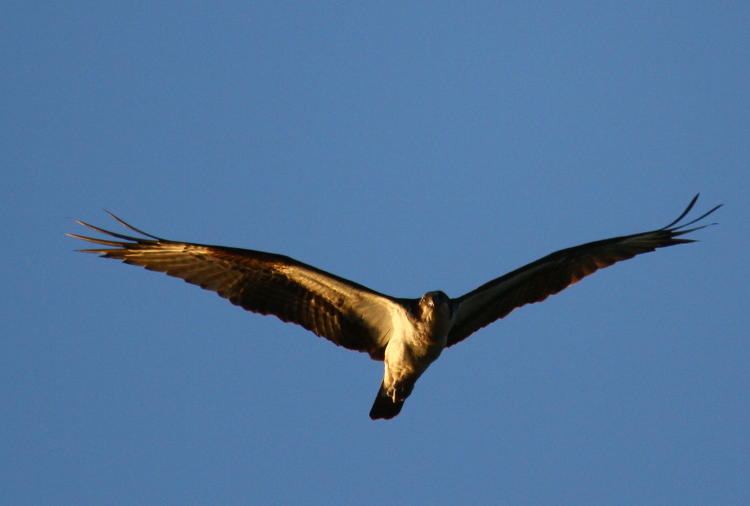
(384, 406)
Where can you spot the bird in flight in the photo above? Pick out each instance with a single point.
(406, 334)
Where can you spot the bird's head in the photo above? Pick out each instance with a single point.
(435, 303)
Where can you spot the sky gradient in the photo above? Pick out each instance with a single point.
(434, 145)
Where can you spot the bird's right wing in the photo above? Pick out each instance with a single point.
(346, 313)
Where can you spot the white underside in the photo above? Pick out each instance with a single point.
(411, 349)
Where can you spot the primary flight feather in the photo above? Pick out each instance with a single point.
(407, 334)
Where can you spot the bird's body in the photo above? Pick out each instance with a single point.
(417, 340)
(406, 334)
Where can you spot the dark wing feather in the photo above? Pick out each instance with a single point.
(551, 274)
(349, 314)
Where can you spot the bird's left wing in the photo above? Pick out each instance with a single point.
(346, 313)
(551, 274)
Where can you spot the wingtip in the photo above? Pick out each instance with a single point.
(115, 234)
(674, 224)
(131, 227)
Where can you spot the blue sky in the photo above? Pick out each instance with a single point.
(433, 145)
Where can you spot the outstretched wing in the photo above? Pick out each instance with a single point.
(349, 314)
(551, 274)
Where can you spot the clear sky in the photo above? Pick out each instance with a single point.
(432, 145)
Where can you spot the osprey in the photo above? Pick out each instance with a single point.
(406, 334)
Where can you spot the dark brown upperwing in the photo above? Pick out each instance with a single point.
(349, 314)
(551, 274)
